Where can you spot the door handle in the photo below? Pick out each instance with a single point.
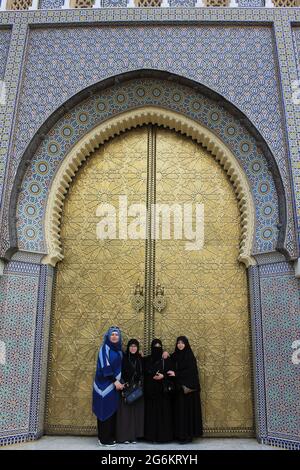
(159, 301)
(138, 300)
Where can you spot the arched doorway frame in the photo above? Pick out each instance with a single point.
(45, 295)
(286, 238)
(126, 121)
(85, 148)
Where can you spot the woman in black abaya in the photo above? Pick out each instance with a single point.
(187, 405)
(130, 418)
(158, 401)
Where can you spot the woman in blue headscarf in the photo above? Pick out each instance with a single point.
(107, 386)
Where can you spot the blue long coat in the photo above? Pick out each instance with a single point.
(105, 396)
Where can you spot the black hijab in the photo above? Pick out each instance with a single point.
(132, 363)
(186, 365)
(156, 351)
(130, 343)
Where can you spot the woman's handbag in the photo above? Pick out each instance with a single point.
(168, 386)
(132, 393)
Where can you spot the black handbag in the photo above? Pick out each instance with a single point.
(168, 384)
(133, 391)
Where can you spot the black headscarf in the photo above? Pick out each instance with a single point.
(156, 352)
(132, 363)
(130, 343)
(186, 351)
(186, 365)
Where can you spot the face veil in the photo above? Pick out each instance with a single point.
(156, 350)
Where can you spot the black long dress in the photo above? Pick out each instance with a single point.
(130, 418)
(187, 407)
(158, 404)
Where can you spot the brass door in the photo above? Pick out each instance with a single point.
(206, 290)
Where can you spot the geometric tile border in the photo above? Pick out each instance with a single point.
(19, 285)
(40, 276)
(275, 324)
(280, 306)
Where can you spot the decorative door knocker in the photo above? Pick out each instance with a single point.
(138, 298)
(159, 302)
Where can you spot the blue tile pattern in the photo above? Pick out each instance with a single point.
(280, 304)
(4, 46)
(182, 3)
(235, 63)
(136, 93)
(251, 3)
(114, 3)
(19, 288)
(253, 70)
(50, 4)
(220, 16)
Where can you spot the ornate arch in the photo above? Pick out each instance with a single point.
(111, 105)
(128, 120)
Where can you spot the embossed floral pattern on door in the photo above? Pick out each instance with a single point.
(206, 290)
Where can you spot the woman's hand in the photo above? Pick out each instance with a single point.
(171, 373)
(165, 355)
(118, 385)
(158, 376)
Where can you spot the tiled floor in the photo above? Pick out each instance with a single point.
(90, 443)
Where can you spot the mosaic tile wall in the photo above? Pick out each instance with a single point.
(245, 69)
(60, 62)
(114, 3)
(280, 307)
(251, 3)
(19, 298)
(256, 88)
(229, 59)
(135, 93)
(54, 4)
(182, 3)
(296, 91)
(4, 46)
(49, 4)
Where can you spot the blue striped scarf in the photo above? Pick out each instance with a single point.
(105, 395)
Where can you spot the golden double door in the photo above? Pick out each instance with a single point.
(205, 289)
